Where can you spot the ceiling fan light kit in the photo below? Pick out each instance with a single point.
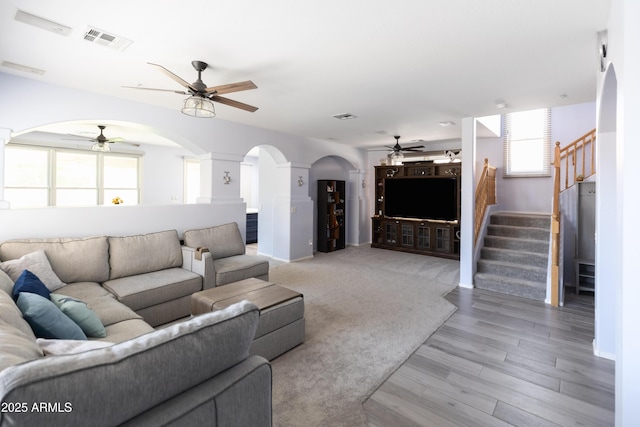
(200, 103)
(101, 146)
(198, 106)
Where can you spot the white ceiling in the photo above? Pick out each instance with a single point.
(400, 67)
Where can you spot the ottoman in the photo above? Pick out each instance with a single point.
(281, 325)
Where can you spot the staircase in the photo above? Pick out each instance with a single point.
(515, 255)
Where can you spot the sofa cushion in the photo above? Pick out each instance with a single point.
(65, 255)
(6, 284)
(11, 315)
(46, 320)
(102, 302)
(126, 330)
(144, 253)
(29, 282)
(16, 347)
(36, 262)
(222, 240)
(153, 288)
(81, 314)
(239, 267)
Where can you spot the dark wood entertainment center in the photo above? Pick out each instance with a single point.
(427, 236)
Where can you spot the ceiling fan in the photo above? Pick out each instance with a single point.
(397, 149)
(101, 142)
(199, 103)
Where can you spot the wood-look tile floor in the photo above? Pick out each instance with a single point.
(498, 361)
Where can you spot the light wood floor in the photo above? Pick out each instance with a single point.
(498, 361)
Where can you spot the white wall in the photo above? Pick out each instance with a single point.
(250, 182)
(163, 175)
(120, 220)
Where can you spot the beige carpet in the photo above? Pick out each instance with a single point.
(367, 310)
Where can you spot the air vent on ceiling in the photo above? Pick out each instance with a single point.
(45, 24)
(344, 116)
(23, 68)
(103, 38)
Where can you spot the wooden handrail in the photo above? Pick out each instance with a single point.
(485, 195)
(585, 146)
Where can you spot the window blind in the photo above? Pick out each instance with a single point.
(527, 143)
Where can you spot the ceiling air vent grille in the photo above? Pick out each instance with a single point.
(344, 116)
(103, 38)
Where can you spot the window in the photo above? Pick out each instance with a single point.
(527, 143)
(40, 177)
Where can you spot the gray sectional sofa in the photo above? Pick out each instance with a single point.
(194, 371)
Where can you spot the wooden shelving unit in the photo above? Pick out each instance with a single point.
(331, 215)
(422, 235)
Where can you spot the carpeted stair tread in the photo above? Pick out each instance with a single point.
(530, 220)
(512, 270)
(514, 243)
(511, 286)
(534, 233)
(521, 257)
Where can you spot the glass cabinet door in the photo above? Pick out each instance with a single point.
(407, 235)
(443, 239)
(390, 232)
(424, 237)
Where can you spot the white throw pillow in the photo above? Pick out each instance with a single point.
(37, 263)
(52, 347)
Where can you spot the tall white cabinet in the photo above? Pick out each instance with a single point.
(586, 237)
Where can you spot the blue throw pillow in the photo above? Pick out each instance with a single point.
(29, 282)
(47, 320)
(79, 312)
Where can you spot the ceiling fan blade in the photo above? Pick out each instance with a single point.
(412, 148)
(116, 139)
(231, 87)
(174, 77)
(232, 103)
(181, 92)
(133, 144)
(78, 138)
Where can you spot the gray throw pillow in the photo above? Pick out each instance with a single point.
(47, 320)
(81, 314)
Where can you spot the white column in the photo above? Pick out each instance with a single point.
(293, 213)
(220, 185)
(467, 267)
(357, 218)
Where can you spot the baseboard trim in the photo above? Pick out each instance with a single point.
(602, 354)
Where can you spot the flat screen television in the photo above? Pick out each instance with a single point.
(422, 198)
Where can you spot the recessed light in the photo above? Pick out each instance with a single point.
(501, 105)
(344, 116)
(446, 123)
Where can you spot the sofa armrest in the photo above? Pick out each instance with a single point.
(127, 379)
(204, 266)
